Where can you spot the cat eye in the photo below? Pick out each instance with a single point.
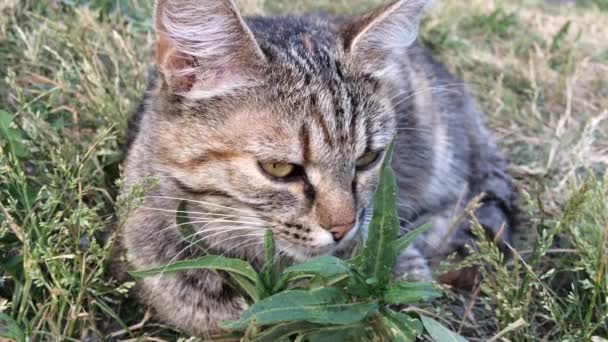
(279, 170)
(367, 159)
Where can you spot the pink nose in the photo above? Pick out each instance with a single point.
(340, 230)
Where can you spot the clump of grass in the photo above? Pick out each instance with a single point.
(67, 86)
(550, 292)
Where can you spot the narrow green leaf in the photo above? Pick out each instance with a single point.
(11, 136)
(409, 292)
(283, 331)
(268, 275)
(209, 262)
(247, 286)
(108, 311)
(440, 333)
(252, 330)
(330, 271)
(352, 333)
(400, 327)
(325, 267)
(10, 329)
(560, 36)
(379, 253)
(325, 306)
(407, 239)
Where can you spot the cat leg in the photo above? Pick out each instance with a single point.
(498, 228)
(490, 184)
(412, 266)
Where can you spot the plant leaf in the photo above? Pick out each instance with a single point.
(324, 266)
(11, 136)
(208, 262)
(325, 306)
(409, 292)
(353, 333)
(283, 331)
(407, 239)
(10, 329)
(247, 286)
(268, 274)
(400, 327)
(108, 311)
(379, 253)
(330, 270)
(440, 333)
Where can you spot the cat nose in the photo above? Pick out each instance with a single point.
(339, 231)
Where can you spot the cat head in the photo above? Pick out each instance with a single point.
(277, 123)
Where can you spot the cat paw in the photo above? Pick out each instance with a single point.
(497, 228)
(412, 266)
(496, 225)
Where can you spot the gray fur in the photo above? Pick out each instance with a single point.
(314, 99)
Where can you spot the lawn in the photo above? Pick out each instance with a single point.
(72, 71)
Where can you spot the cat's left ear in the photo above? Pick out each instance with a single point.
(376, 39)
(205, 48)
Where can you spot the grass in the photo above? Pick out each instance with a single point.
(72, 71)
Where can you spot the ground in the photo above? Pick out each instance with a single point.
(72, 71)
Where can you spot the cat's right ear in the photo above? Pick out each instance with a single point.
(379, 38)
(204, 48)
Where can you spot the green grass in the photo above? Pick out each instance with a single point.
(70, 76)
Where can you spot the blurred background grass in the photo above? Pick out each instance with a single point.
(72, 71)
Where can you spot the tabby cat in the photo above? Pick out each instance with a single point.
(282, 123)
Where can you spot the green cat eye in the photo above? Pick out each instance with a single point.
(367, 159)
(278, 170)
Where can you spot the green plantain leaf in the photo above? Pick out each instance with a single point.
(379, 253)
(324, 266)
(208, 262)
(325, 306)
(10, 329)
(346, 333)
(440, 333)
(330, 270)
(406, 240)
(247, 286)
(409, 292)
(400, 327)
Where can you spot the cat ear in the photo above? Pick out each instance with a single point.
(204, 48)
(384, 34)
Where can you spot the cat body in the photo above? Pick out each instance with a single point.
(282, 123)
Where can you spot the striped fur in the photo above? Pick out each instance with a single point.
(314, 91)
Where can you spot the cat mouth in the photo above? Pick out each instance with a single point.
(325, 245)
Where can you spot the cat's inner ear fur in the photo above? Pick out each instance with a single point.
(204, 48)
(377, 38)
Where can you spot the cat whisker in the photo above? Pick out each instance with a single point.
(176, 225)
(250, 242)
(219, 231)
(407, 96)
(408, 206)
(200, 202)
(192, 244)
(192, 212)
(236, 237)
(281, 250)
